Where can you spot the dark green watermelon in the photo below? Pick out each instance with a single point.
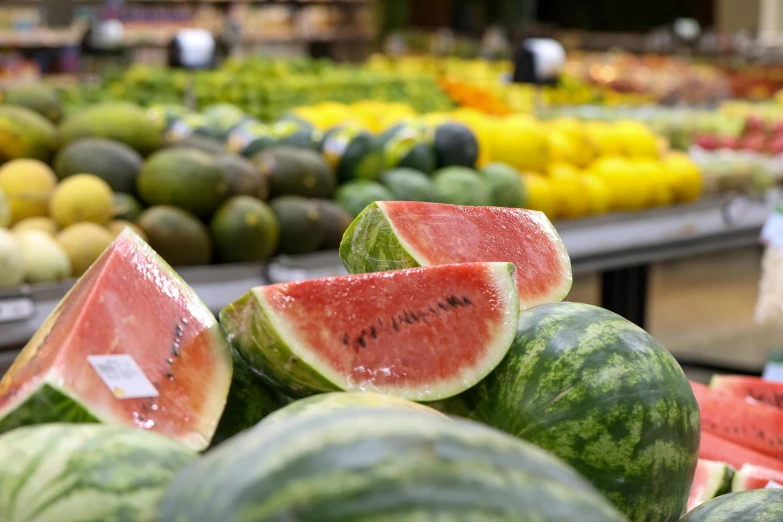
(410, 185)
(353, 153)
(296, 133)
(455, 145)
(354, 196)
(760, 505)
(249, 138)
(505, 184)
(603, 395)
(408, 145)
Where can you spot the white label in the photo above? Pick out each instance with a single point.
(16, 309)
(773, 485)
(772, 233)
(122, 376)
(773, 372)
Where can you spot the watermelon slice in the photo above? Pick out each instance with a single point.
(423, 333)
(711, 480)
(756, 477)
(390, 235)
(715, 448)
(768, 392)
(129, 303)
(749, 423)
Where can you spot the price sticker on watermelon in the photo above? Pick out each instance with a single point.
(122, 376)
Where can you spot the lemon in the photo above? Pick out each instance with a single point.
(599, 197)
(84, 243)
(562, 149)
(629, 192)
(686, 176)
(660, 192)
(43, 224)
(118, 225)
(5, 210)
(540, 194)
(83, 197)
(521, 142)
(570, 194)
(638, 140)
(28, 184)
(603, 138)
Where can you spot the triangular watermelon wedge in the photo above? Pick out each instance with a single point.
(423, 333)
(391, 235)
(129, 303)
(711, 480)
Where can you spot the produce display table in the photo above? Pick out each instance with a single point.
(619, 246)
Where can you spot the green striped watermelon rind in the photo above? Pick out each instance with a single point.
(604, 396)
(371, 244)
(759, 505)
(380, 464)
(80, 472)
(268, 342)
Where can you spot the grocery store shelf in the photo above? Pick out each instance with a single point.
(595, 245)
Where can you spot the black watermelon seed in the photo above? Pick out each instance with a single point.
(466, 300)
(442, 307)
(373, 332)
(433, 311)
(394, 325)
(346, 340)
(415, 317)
(362, 342)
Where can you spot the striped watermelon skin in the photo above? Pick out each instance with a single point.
(86, 473)
(380, 465)
(604, 396)
(760, 505)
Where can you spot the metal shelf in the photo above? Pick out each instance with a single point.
(595, 245)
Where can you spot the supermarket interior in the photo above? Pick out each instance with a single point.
(315, 204)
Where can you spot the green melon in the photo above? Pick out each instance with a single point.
(354, 196)
(505, 184)
(184, 178)
(353, 153)
(455, 145)
(112, 161)
(301, 229)
(126, 207)
(244, 230)
(462, 186)
(296, 172)
(221, 118)
(37, 97)
(603, 395)
(81, 473)
(380, 465)
(243, 178)
(410, 185)
(297, 133)
(25, 134)
(760, 505)
(210, 146)
(179, 238)
(123, 122)
(250, 137)
(335, 220)
(409, 146)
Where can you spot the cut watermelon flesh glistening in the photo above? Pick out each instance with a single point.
(755, 477)
(130, 302)
(715, 448)
(768, 392)
(423, 333)
(712, 479)
(747, 422)
(392, 235)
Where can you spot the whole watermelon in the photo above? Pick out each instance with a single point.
(390, 464)
(604, 396)
(85, 473)
(760, 505)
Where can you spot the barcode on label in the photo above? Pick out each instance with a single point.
(122, 376)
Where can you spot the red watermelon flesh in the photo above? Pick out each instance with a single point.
(768, 392)
(422, 333)
(128, 303)
(745, 421)
(390, 235)
(755, 477)
(712, 479)
(716, 448)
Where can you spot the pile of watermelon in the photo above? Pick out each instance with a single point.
(741, 441)
(443, 380)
